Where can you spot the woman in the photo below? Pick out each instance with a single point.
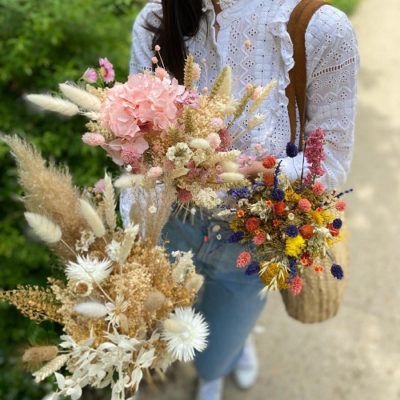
(251, 36)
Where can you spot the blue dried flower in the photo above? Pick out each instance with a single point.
(278, 194)
(337, 223)
(292, 231)
(236, 237)
(292, 267)
(253, 268)
(337, 271)
(291, 150)
(240, 193)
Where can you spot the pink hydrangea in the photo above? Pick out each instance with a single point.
(144, 103)
(106, 70)
(341, 205)
(161, 73)
(93, 139)
(296, 285)
(189, 98)
(304, 205)
(90, 75)
(318, 188)
(126, 153)
(243, 260)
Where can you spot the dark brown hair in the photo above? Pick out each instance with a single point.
(180, 20)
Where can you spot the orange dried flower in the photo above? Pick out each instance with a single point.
(240, 213)
(269, 162)
(307, 231)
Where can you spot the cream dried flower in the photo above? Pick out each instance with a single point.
(91, 309)
(54, 104)
(88, 269)
(179, 154)
(206, 198)
(81, 97)
(185, 332)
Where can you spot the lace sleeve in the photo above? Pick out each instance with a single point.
(142, 38)
(332, 67)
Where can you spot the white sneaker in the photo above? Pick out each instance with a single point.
(210, 390)
(246, 371)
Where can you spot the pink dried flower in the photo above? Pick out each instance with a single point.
(304, 205)
(296, 285)
(214, 140)
(243, 260)
(260, 239)
(196, 72)
(314, 154)
(144, 103)
(217, 123)
(157, 48)
(154, 60)
(155, 172)
(184, 196)
(226, 140)
(341, 205)
(161, 73)
(90, 75)
(99, 186)
(106, 70)
(318, 188)
(189, 98)
(93, 139)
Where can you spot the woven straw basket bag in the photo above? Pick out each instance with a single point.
(322, 295)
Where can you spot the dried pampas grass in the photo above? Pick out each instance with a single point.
(81, 97)
(54, 104)
(39, 354)
(45, 229)
(49, 191)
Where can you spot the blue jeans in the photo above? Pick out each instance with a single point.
(229, 299)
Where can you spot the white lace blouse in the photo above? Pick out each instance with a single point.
(332, 63)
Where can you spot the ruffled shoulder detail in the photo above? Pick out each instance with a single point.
(277, 27)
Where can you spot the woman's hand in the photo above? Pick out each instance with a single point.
(254, 169)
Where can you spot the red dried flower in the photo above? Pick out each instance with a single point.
(275, 222)
(319, 268)
(341, 205)
(269, 162)
(307, 231)
(334, 232)
(184, 196)
(306, 260)
(252, 224)
(260, 238)
(280, 208)
(269, 180)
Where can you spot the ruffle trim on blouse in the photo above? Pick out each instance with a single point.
(278, 28)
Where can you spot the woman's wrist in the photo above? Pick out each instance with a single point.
(255, 168)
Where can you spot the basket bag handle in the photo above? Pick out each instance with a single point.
(296, 90)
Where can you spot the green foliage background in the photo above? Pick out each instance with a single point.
(43, 42)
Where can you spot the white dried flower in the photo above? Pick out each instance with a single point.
(83, 244)
(185, 332)
(88, 269)
(199, 143)
(81, 97)
(200, 156)
(179, 154)
(91, 309)
(92, 218)
(54, 104)
(83, 288)
(206, 198)
(152, 209)
(45, 229)
(116, 310)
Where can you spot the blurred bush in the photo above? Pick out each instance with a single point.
(43, 42)
(348, 6)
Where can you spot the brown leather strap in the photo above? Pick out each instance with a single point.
(296, 90)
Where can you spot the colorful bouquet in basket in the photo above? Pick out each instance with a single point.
(160, 130)
(289, 226)
(124, 306)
